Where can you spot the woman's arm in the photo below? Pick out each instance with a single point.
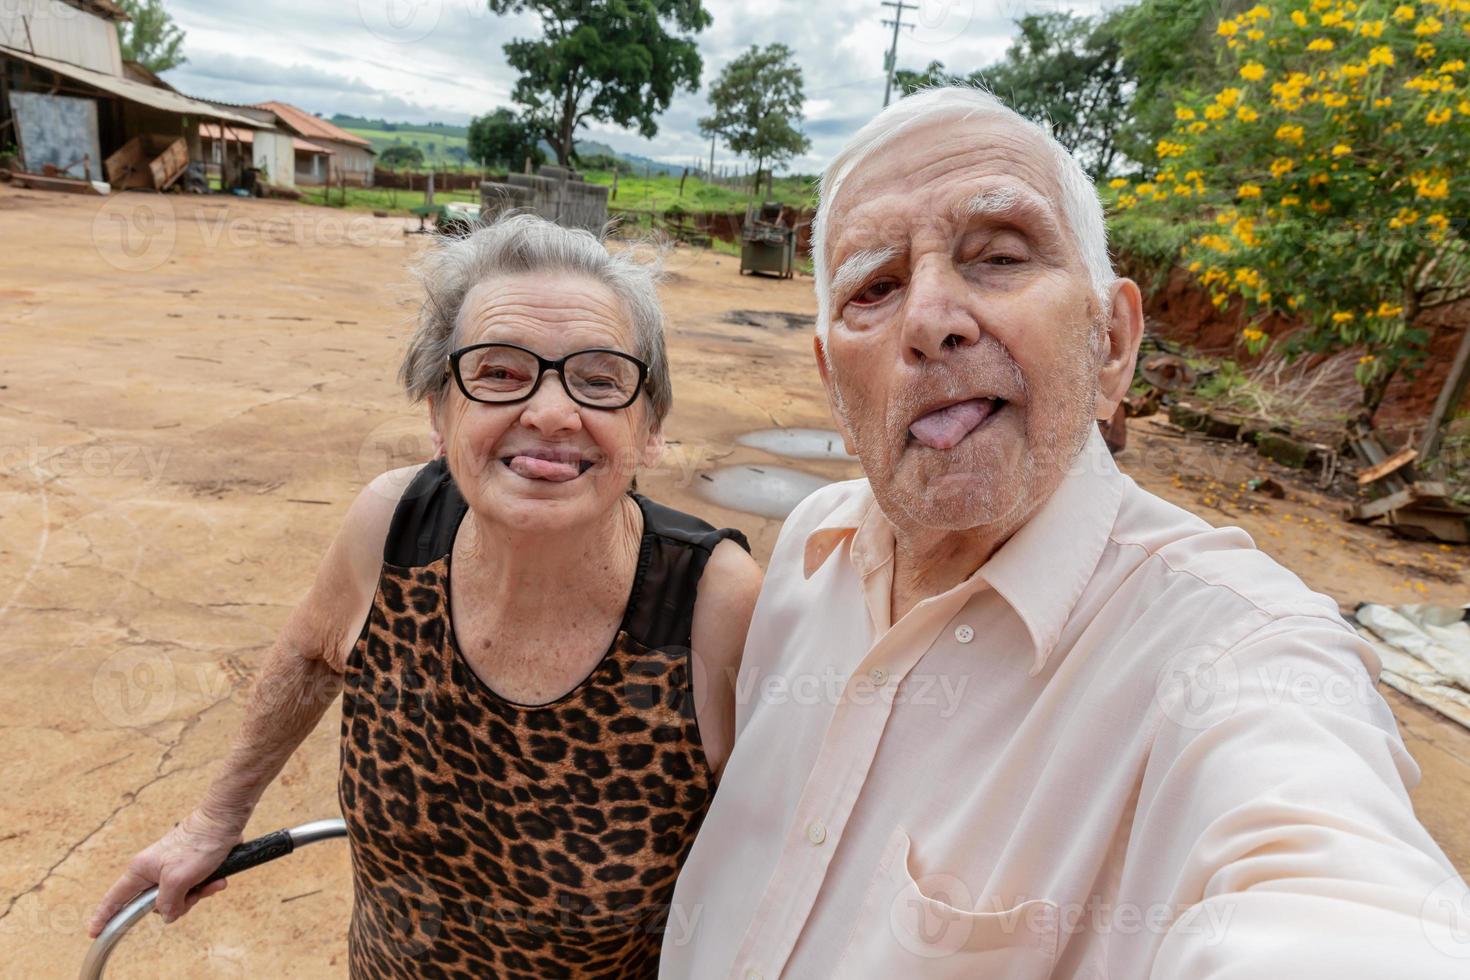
(727, 594)
(302, 676)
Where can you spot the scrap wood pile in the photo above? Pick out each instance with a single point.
(1385, 488)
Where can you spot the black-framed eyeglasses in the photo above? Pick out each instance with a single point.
(502, 374)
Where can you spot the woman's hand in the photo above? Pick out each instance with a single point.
(178, 861)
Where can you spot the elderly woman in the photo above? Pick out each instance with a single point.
(527, 748)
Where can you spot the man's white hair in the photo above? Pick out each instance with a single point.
(1081, 210)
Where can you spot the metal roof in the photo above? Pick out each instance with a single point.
(126, 88)
(312, 126)
(211, 131)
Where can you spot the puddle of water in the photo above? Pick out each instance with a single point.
(797, 443)
(767, 491)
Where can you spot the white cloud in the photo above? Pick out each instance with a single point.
(441, 60)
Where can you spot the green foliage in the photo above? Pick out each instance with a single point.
(150, 37)
(1325, 167)
(757, 105)
(618, 62)
(500, 138)
(1061, 69)
(402, 156)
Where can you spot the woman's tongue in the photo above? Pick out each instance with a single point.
(535, 468)
(943, 429)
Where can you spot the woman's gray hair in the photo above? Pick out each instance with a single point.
(518, 243)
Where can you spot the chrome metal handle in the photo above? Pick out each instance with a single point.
(242, 857)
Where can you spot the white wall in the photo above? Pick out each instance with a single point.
(59, 30)
(273, 154)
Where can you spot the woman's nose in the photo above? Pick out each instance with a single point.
(550, 409)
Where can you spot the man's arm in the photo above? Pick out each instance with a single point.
(1274, 819)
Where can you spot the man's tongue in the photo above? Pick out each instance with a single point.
(945, 428)
(533, 468)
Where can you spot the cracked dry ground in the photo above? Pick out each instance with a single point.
(192, 392)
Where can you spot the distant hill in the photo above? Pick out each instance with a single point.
(445, 144)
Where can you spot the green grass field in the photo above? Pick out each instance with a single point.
(436, 146)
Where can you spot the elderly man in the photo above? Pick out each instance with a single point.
(1002, 712)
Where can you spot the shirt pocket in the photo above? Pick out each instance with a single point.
(934, 928)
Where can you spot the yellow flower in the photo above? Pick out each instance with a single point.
(1341, 150)
(1428, 26)
(1464, 107)
(1371, 28)
(1451, 67)
(1387, 309)
(1334, 100)
(1252, 334)
(1259, 12)
(1289, 199)
(1381, 55)
(1367, 359)
(1438, 117)
(1438, 222)
(1320, 44)
(1404, 12)
(1288, 133)
(1195, 128)
(1317, 180)
(1403, 219)
(1215, 111)
(1255, 34)
(1298, 18)
(1144, 190)
(1118, 182)
(1227, 28)
(1342, 317)
(1196, 265)
(1383, 103)
(1228, 97)
(1248, 190)
(1281, 166)
(1424, 50)
(1183, 113)
(1246, 114)
(1253, 71)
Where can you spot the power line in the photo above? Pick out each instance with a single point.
(892, 57)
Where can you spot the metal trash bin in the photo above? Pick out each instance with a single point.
(242, 857)
(766, 245)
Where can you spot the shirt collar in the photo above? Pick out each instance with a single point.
(1040, 571)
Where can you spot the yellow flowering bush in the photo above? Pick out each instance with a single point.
(1328, 176)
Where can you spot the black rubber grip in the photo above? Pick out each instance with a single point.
(251, 853)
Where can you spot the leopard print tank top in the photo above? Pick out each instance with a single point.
(493, 839)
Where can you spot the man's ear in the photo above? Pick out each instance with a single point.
(1124, 333)
(825, 371)
(435, 434)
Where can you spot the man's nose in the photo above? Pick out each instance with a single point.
(550, 411)
(936, 315)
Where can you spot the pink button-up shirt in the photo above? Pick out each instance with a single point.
(1130, 745)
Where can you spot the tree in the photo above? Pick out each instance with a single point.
(757, 105)
(1324, 180)
(618, 62)
(399, 155)
(149, 36)
(500, 138)
(1064, 70)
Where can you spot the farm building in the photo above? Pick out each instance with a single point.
(349, 158)
(73, 110)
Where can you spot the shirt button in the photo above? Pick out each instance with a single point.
(964, 634)
(878, 676)
(815, 832)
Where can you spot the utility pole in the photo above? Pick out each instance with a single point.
(712, 159)
(892, 57)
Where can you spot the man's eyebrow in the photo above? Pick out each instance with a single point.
(1009, 203)
(858, 266)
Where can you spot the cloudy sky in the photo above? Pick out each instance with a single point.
(441, 60)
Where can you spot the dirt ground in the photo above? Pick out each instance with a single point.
(191, 393)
